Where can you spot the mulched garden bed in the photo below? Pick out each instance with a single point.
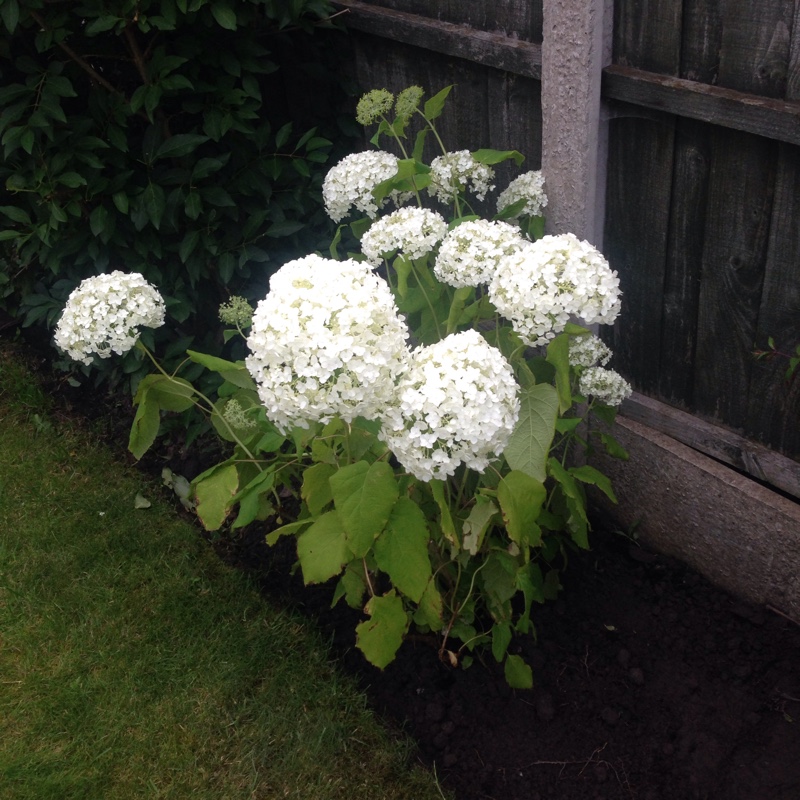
(649, 683)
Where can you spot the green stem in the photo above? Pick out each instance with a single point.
(209, 407)
(427, 298)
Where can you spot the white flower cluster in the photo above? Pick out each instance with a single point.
(539, 287)
(412, 231)
(457, 403)
(351, 181)
(605, 385)
(452, 173)
(326, 341)
(588, 351)
(528, 186)
(103, 315)
(470, 253)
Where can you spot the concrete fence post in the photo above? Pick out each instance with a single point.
(576, 46)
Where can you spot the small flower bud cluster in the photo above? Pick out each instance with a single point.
(103, 315)
(452, 173)
(528, 186)
(374, 105)
(604, 385)
(457, 403)
(412, 231)
(588, 351)
(236, 312)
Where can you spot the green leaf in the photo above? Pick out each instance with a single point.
(380, 637)
(214, 495)
(558, 356)
(285, 228)
(224, 15)
(316, 489)
(491, 157)
(433, 107)
(16, 214)
(521, 497)
(322, 549)
(234, 372)
(145, 426)
(181, 144)
(9, 11)
(71, 179)
(613, 447)
(249, 498)
(154, 204)
(446, 519)
(501, 639)
(401, 550)
(588, 474)
(477, 523)
(518, 674)
(430, 610)
(282, 136)
(364, 495)
(529, 444)
(578, 522)
(101, 24)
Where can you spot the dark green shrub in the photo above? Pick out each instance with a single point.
(156, 136)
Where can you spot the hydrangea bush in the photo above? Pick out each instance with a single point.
(419, 396)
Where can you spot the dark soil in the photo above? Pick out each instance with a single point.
(649, 683)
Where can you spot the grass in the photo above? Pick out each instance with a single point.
(134, 664)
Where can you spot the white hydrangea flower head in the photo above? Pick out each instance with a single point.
(605, 385)
(588, 350)
(469, 254)
(326, 341)
(457, 403)
(528, 186)
(350, 184)
(103, 315)
(541, 286)
(452, 173)
(412, 231)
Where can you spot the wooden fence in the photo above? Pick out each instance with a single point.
(703, 188)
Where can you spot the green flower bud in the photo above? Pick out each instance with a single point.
(237, 312)
(373, 105)
(407, 102)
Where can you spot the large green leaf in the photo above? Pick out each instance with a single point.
(232, 371)
(589, 474)
(518, 674)
(477, 523)
(316, 489)
(521, 498)
(558, 356)
(401, 550)
(529, 445)
(145, 426)
(322, 549)
(364, 495)
(380, 637)
(214, 495)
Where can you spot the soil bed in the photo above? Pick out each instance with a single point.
(650, 684)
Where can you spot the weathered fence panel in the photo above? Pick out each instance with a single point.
(713, 273)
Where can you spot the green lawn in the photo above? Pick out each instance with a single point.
(134, 664)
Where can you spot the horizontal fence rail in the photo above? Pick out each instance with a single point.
(449, 38)
(764, 116)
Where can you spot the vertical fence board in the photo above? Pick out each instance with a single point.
(702, 40)
(754, 55)
(684, 260)
(637, 219)
(734, 255)
(647, 34)
(774, 404)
